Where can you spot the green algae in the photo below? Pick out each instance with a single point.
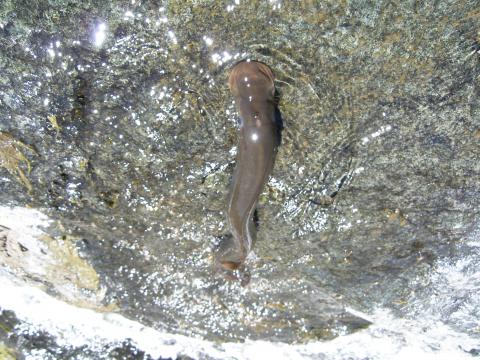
(7, 353)
(13, 159)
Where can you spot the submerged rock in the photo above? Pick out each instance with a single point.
(117, 124)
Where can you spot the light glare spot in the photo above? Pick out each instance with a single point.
(172, 36)
(381, 131)
(100, 35)
(208, 40)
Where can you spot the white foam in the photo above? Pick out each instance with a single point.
(422, 337)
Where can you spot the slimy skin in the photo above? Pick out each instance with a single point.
(252, 86)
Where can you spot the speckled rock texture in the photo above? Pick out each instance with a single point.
(117, 123)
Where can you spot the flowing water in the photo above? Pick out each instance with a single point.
(117, 145)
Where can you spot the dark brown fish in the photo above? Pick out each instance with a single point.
(252, 86)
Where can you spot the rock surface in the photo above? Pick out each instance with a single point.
(117, 124)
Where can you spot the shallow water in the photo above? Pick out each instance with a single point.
(116, 123)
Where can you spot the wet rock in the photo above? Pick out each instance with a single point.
(116, 122)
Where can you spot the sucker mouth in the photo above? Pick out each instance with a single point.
(230, 265)
(233, 271)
